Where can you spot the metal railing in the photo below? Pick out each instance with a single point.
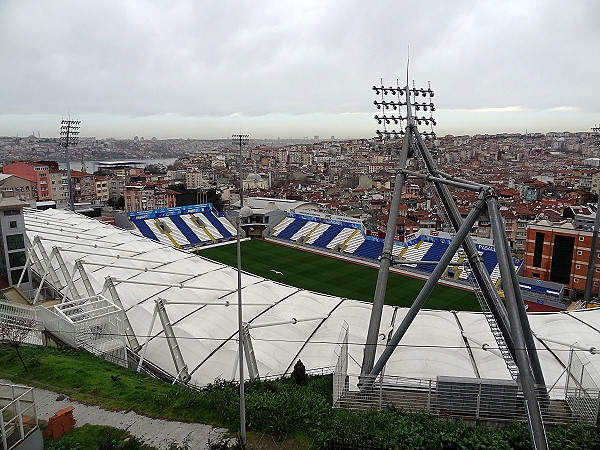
(18, 417)
(476, 399)
(12, 313)
(581, 392)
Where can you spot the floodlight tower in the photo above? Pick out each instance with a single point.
(391, 114)
(69, 137)
(509, 324)
(241, 140)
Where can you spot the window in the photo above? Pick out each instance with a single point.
(13, 224)
(581, 238)
(577, 266)
(579, 252)
(537, 252)
(17, 259)
(15, 241)
(535, 275)
(576, 280)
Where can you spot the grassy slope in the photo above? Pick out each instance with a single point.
(89, 379)
(333, 276)
(278, 409)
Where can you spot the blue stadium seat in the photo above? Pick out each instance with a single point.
(291, 229)
(435, 253)
(143, 227)
(217, 224)
(490, 259)
(185, 229)
(328, 235)
(369, 249)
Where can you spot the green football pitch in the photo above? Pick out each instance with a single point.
(329, 275)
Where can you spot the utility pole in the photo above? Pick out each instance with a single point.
(241, 140)
(69, 137)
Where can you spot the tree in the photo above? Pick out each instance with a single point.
(14, 332)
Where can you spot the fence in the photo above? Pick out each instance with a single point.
(340, 382)
(18, 416)
(16, 315)
(474, 399)
(93, 323)
(581, 392)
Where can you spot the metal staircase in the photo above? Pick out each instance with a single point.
(510, 363)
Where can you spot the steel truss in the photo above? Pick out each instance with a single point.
(509, 324)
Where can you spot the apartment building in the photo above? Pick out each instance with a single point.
(140, 197)
(23, 189)
(560, 252)
(37, 172)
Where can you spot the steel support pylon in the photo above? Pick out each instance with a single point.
(515, 333)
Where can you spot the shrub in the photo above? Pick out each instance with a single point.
(299, 374)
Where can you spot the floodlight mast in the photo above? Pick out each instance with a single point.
(69, 137)
(386, 259)
(514, 336)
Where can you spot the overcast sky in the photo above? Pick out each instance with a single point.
(279, 68)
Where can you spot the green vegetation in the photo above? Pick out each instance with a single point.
(301, 415)
(334, 276)
(95, 437)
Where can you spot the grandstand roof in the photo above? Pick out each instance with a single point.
(207, 330)
(279, 203)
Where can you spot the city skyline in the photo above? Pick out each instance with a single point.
(289, 70)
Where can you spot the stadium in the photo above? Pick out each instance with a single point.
(148, 299)
(97, 269)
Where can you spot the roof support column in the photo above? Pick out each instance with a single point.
(114, 295)
(180, 366)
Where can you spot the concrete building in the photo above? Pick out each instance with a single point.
(141, 197)
(116, 187)
(560, 252)
(102, 192)
(22, 188)
(59, 187)
(12, 227)
(84, 187)
(37, 172)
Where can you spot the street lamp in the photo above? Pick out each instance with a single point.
(241, 139)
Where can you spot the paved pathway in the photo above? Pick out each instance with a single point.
(156, 432)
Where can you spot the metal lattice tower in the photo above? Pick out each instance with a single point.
(69, 137)
(509, 324)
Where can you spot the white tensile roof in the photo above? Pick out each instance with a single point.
(207, 334)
